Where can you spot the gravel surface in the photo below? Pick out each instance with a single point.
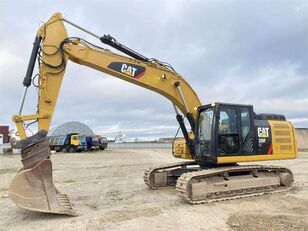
(108, 191)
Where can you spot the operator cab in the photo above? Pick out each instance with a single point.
(224, 130)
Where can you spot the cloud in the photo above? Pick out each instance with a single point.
(229, 51)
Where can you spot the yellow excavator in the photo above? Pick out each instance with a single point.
(220, 136)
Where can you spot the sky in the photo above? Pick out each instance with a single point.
(246, 52)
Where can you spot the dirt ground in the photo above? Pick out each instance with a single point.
(108, 191)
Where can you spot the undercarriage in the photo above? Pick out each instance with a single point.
(198, 185)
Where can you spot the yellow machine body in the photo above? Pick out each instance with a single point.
(33, 186)
(284, 145)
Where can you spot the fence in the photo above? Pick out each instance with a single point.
(139, 145)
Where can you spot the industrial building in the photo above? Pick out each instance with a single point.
(4, 134)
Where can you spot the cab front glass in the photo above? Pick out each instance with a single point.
(204, 132)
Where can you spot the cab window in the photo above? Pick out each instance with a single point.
(228, 135)
(205, 125)
(204, 135)
(227, 121)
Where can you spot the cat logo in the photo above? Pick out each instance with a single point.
(129, 69)
(263, 132)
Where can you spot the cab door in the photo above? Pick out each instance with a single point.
(75, 140)
(234, 130)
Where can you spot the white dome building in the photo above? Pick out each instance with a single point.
(71, 127)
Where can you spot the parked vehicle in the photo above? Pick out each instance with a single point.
(93, 143)
(103, 142)
(72, 142)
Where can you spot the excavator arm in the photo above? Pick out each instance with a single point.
(54, 49)
(33, 186)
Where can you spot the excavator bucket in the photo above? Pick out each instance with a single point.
(33, 188)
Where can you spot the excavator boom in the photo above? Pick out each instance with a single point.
(56, 49)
